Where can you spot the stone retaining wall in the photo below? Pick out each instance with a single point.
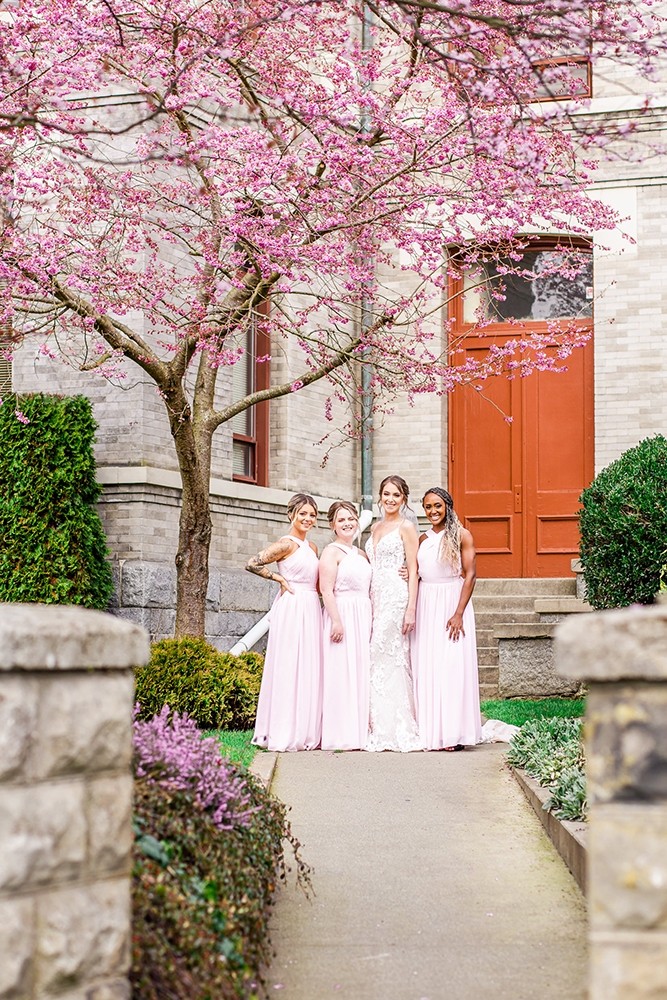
(145, 593)
(66, 703)
(622, 655)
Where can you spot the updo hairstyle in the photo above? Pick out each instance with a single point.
(298, 501)
(341, 505)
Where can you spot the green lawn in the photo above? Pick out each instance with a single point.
(516, 711)
(236, 745)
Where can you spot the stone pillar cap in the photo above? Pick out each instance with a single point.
(66, 637)
(623, 644)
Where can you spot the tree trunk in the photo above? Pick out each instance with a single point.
(194, 530)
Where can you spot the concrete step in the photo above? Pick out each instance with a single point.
(512, 607)
(489, 619)
(561, 606)
(504, 602)
(488, 676)
(488, 692)
(535, 587)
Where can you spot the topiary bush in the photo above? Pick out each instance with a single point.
(623, 527)
(53, 546)
(208, 853)
(217, 690)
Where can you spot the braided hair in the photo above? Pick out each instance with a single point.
(450, 540)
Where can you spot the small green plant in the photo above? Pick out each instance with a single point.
(552, 752)
(53, 547)
(217, 690)
(623, 525)
(237, 745)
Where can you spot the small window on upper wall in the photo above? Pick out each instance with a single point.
(561, 79)
(539, 294)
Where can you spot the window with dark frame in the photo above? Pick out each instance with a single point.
(562, 79)
(532, 290)
(250, 428)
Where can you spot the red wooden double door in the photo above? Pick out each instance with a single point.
(517, 484)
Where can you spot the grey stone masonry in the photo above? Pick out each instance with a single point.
(66, 704)
(145, 593)
(622, 655)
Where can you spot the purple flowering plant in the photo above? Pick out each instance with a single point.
(170, 750)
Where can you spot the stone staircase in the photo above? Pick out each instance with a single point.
(499, 602)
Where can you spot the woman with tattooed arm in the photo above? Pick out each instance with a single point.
(289, 711)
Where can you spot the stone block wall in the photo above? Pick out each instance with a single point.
(139, 508)
(145, 593)
(66, 704)
(622, 655)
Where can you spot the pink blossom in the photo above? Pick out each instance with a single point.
(171, 750)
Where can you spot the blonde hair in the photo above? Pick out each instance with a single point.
(340, 505)
(298, 501)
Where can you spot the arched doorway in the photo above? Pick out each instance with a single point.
(517, 482)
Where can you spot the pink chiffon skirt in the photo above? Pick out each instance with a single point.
(444, 672)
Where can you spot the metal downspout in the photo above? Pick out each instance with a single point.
(366, 369)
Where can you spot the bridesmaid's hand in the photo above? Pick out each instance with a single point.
(337, 632)
(284, 585)
(408, 622)
(454, 627)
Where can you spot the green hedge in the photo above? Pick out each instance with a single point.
(53, 546)
(217, 690)
(202, 896)
(623, 527)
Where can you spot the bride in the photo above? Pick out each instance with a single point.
(393, 543)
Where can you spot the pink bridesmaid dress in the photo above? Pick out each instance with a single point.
(345, 703)
(289, 711)
(445, 674)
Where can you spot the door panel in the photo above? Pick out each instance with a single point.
(486, 466)
(517, 484)
(558, 418)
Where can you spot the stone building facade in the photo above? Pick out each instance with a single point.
(137, 462)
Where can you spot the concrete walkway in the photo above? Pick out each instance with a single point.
(433, 880)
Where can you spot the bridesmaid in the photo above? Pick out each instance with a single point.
(345, 579)
(444, 651)
(289, 711)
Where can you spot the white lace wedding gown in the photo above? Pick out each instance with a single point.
(392, 716)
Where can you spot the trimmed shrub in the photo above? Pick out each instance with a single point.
(218, 690)
(53, 546)
(208, 853)
(623, 527)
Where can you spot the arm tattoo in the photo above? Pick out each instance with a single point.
(258, 566)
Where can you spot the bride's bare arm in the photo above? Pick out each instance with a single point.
(273, 553)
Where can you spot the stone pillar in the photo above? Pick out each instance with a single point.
(66, 702)
(622, 655)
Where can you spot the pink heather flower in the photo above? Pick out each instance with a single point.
(21, 416)
(170, 750)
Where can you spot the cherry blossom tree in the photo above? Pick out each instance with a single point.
(208, 166)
